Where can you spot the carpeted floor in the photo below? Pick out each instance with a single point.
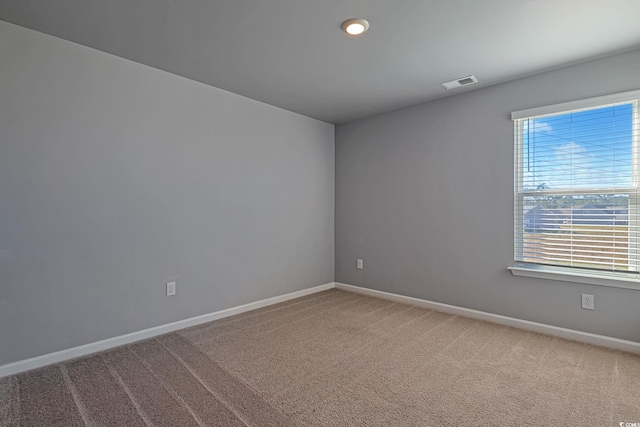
(334, 359)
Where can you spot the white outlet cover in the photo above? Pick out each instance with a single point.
(171, 288)
(588, 301)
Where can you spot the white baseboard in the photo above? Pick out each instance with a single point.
(601, 340)
(83, 350)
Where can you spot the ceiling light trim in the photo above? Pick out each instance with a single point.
(355, 26)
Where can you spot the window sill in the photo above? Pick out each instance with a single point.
(567, 275)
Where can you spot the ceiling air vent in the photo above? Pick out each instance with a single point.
(462, 81)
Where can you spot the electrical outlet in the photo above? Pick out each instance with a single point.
(171, 288)
(359, 264)
(588, 301)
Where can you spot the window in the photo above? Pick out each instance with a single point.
(577, 199)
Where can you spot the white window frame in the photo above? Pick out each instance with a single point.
(571, 274)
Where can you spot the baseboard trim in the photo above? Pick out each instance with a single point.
(83, 350)
(586, 337)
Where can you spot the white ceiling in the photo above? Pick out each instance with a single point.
(292, 53)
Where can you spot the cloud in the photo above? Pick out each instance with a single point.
(570, 153)
(572, 157)
(541, 127)
(578, 167)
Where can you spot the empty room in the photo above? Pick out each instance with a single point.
(329, 213)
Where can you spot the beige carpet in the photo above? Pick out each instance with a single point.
(334, 359)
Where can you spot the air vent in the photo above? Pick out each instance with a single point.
(462, 81)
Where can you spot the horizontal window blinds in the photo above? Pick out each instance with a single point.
(576, 181)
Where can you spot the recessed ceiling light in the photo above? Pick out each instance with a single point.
(355, 26)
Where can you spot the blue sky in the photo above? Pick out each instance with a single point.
(586, 149)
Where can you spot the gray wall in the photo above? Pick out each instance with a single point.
(116, 178)
(425, 196)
